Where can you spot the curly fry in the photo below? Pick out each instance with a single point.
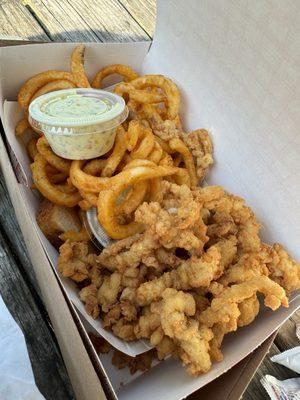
(31, 148)
(94, 167)
(54, 193)
(170, 89)
(22, 126)
(33, 84)
(77, 66)
(126, 72)
(139, 95)
(107, 199)
(59, 163)
(145, 143)
(180, 147)
(52, 87)
(118, 152)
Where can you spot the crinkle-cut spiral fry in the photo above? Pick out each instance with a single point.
(169, 88)
(61, 164)
(126, 72)
(178, 146)
(32, 85)
(77, 66)
(116, 156)
(52, 87)
(55, 193)
(107, 199)
(22, 126)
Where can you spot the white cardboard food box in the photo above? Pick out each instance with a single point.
(237, 65)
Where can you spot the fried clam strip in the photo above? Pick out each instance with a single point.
(192, 273)
(77, 67)
(158, 223)
(64, 195)
(223, 208)
(177, 221)
(198, 143)
(228, 250)
(249, 309)
(108, 292)
(248, 266)
(103, 293)
(223, 314)
(120, 319)
(75, 261)
(284, 269)
(141, 362)
(191, 339)
(32, 85)
(130, 252)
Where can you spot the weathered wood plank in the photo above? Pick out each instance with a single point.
(286, 337)
(255, 390)
(16, 21)
(143, 11)
(50, 373)
(13, 236)
(109, 20)
(61, 21)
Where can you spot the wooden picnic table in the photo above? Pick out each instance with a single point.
(77, 21)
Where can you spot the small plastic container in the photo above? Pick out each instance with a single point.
(79, 124)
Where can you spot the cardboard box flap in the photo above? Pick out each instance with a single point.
(238, 67)
(46, 56)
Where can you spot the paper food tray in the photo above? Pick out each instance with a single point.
(238, 76)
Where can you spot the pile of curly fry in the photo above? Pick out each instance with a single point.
(149, 147)
(188, 265)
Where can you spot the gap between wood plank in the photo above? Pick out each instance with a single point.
(133, 17)
(39, 21)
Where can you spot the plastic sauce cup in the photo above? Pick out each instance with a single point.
(79, 124)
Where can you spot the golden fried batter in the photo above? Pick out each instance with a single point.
(75, 261)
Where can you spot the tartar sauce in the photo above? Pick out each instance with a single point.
(79, 124)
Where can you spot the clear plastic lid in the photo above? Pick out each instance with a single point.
(75, 111)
